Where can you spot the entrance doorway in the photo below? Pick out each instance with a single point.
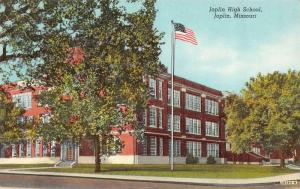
(70, 156)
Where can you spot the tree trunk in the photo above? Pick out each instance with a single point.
(97, 154)
(282, 162)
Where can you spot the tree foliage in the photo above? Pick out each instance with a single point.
(266, 113)
(12, 130)
(115, 46)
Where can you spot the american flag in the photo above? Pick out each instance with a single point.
(184, 34)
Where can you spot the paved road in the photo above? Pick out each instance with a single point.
(8, 181)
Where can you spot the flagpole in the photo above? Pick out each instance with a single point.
(172, 94)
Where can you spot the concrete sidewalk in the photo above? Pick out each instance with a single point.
(282, 179)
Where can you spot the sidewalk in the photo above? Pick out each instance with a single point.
(199, 181)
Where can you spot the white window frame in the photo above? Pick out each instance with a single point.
(144, 144)
(21, 150)
(193, 126)
(152, 88)
(176, 98)
(37, 148)
(211, 129)
(160, 90)
(176, 123)
(256, 150)
(161, 146)
(153, 146)
(213, 150)
(45, 149)
(211, 107)
(160, 116)
(53, 148)
(192, 102)
(23, 100)
(13, 151)
(228, 146)
(152, 118)
(177, 147)
(193, 148)
(45, 118)
(28, 148)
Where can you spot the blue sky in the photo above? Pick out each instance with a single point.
(230, 51)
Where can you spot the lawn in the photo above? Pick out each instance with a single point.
(190, 171)
(12, 166)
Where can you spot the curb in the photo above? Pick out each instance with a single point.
(190, 181)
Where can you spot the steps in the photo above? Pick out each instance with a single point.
(65, 164)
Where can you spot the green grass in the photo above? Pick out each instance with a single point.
(11, 166)
(188, 171)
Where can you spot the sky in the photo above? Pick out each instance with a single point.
(231, 50)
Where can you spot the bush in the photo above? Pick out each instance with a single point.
(190, 159)
(211, 160)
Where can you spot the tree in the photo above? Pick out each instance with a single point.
(266, 113)
(12, 130)
(94, 55)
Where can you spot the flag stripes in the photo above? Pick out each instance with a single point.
(188, 36)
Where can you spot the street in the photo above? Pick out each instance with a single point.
(10, 181)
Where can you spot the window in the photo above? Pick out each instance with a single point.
(153, 147)
(161, 146)
(177, 147)
(192, 102)
(176, 127)
(212, 129)
(152, 117)
(193, 126)
(256, 150)
(22, 100)
(45, 149)
(21, 150)
(53, 148)
(152, 87)
(28, 148)
(212, 150)
(193, 148)
(228, 146)
(37, 148)
(160, 118)
(29, 119)
(145, 118)
(21, 120)
(13, 150)
(143, 146)
(211, 107)
(160, 94)
(176, 98)
(45, 118)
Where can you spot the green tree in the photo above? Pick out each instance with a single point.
(266, 113)
(11, 129)
(97, 53)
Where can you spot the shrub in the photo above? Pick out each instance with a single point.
(190, 159)
(211, 160)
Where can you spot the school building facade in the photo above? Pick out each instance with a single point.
(199, 129)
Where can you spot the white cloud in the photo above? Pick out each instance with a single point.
(232, 65)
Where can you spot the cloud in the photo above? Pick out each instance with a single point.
(234, 66)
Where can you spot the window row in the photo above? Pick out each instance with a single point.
(21, 120)
(192, 102)
(38, 146)
(156, 147)
(193, 126)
